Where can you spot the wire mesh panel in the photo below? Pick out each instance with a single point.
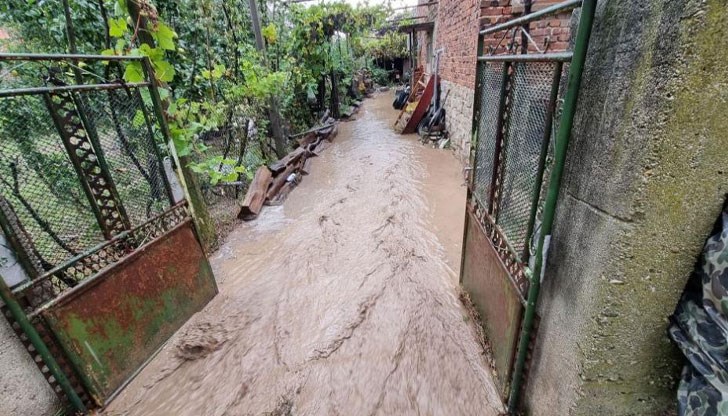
(491, 81)
(228, 148)
(80, 163)
(125, 134)
(531, 89)
(40, 194)
(548, 165)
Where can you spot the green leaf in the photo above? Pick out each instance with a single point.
(155, 54)
(230, 177)
(270, 33)
(108, 52)
(120, 45)
(164, 70)
(218, 72)
(134, 72)
(165, 36)
(182, 146)
(117, 27)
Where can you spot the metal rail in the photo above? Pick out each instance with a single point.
(17, 311)
(65, 57)
(65, 88)
(538, 57)
(560, 147)
(567, 5)
(95, 249)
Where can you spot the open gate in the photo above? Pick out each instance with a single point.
(111, 262)
(524, 107)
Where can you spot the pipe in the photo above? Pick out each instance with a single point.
(559, 7)
(536, 57)
(560, 147)
(17, 311)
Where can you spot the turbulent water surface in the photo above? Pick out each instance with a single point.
(342, 302)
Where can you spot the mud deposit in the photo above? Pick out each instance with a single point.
(344, 301)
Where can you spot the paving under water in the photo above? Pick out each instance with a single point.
(343, 301)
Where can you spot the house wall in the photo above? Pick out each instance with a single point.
(456, 33)
(457, 23)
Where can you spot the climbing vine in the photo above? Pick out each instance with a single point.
(209, 72)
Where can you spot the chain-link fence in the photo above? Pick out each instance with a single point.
(233, 146)
(81, 172)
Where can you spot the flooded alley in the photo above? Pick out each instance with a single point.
(342, 301)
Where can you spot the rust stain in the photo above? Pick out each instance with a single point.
(486, 280)
(116, 324)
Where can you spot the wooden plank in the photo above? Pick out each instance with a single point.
(307, 139)
(421, 108)
(280, 179)
(255, 197)
(278, 166)
(306, 169)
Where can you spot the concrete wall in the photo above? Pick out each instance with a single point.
(23, 390)
(646, 176)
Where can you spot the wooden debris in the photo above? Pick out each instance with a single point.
(254, 199)
(306, 169)
(272, 184)
(281, 179)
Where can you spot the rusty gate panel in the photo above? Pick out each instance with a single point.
(110, 325)
(485, 278)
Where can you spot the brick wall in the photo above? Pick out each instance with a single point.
(550, 34)
(456, 30)
(457, 23)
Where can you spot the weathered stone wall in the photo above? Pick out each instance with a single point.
(459, 117)
(23, 390)
(646, 176)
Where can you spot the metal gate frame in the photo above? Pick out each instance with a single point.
(519, 256)
(92, 316)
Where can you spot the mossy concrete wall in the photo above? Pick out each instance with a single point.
(646, 176)
(23, 390)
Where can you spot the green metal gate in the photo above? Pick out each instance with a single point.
(525, 99)
(111, 262)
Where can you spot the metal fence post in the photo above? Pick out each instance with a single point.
(560, 147)
(550, 115)
(17, 311)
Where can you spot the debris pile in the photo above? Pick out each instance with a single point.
(272, 184)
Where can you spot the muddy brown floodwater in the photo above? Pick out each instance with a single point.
(344, 301)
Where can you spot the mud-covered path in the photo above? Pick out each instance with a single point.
(342, 302)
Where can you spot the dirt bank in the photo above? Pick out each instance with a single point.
(342, 302)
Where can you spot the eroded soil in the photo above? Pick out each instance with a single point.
(344, 301)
